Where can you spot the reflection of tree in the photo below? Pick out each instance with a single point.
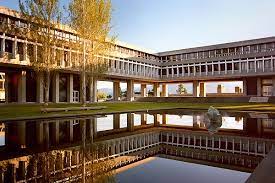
(87, 162)
(99, 168)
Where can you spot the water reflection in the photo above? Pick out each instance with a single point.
(163, 170)
(2, 134)
(62, 147)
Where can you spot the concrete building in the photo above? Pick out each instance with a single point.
(250, 61)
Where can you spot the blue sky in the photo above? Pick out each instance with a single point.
(163, 25)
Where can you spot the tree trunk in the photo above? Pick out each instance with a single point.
(83, 88)
(47, 87)
(83, 132)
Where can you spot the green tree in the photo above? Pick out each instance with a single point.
(101, 96)
(43, 18)
(181, 89)
(91, 19)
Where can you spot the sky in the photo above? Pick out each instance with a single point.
(163, 25)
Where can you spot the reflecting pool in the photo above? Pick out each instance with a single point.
(163, 170)
(182, 144)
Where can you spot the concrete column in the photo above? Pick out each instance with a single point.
(39, 133)
(156, 90)
(14, 48)
(116, 90)
(55, 132)
(35, 51)
(130, 90)
(59, 161)
(273, 89)
(143, 119)
(93, 89)
(195, 121)
(70, 131)
(25, 50)
(164, 119)
(244, 87)
(143, 90)
(94, 122)
(39, 87)
(21, 172)
(164, 92)
(70, 88)
(92, 128)
(116, 121)
(130, 122)
(11, 173)
(21, 132)
(259, 87)
(55, 87)
(202, 90)
(3, 44)
(195, 88)
(156, 119)
(22, 87)
(2, 174)
(46, 131)
(83, 85)
(6, 85)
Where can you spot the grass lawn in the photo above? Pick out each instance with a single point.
(33, 110)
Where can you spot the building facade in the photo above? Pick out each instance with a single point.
(251, 62)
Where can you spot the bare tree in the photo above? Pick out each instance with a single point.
(44, 17)
(91, 19)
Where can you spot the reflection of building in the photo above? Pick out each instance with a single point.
(238, 119)
(220, 89)
(238, 89)
(233, 149)
(2, 86)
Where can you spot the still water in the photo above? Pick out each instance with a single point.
(67, 150)
(165, 170)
